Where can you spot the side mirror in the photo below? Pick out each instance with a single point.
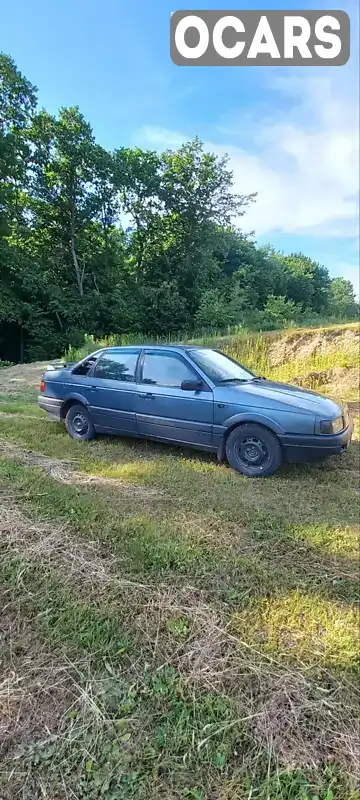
(192, 385)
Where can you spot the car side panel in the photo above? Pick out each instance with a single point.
(62, 387)
(55, 385)
(250, 415)
(250, 408)
(112, 406)
(67, 387)
(175, 415)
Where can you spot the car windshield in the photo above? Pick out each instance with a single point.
(219, 368)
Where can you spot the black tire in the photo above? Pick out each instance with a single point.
(253, 450)
(78, 423)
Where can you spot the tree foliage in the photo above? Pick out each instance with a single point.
(104, 242)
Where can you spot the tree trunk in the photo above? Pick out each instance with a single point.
(78, 272)
(21, 344)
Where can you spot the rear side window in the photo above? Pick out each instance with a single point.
(117, 366)
(85, 367)
(166, 369)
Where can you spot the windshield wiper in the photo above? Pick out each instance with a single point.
(231, 380)
(250, 379)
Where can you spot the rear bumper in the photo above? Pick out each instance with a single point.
(315, 448)
(50, 404)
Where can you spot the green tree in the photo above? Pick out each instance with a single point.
(342, 300)
(308, 282)
(18, 298)
(75, 237)
(197, 193)
(98, 243)
(136, 177)
(63, 203)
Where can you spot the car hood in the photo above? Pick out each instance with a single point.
(270, 394)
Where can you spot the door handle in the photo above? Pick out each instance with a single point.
(146, 395)
(94, 388)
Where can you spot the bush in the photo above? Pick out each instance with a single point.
(280, 313)
(214, 311)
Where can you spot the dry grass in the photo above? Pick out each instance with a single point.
(303, 723)
(339, 381)
(21, 376)
(36, 691)
(302, 718)
(63, 471)
(53, 710)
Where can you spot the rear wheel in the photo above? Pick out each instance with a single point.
(253, 450)
(78, 423)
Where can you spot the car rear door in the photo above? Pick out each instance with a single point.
(163, 409)
(113, 391)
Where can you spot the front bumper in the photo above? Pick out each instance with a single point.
(50, 404)
(299, 448)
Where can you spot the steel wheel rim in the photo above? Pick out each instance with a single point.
(80, 424)
(252, 453)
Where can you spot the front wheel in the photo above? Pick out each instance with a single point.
(253, 450)
(78, 423)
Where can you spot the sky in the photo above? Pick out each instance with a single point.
(291, 133)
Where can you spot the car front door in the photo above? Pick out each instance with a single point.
(113, 392)
(166, 411)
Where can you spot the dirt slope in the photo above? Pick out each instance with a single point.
(301, 345)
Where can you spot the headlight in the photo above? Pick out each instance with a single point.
(346, 416)
(331, 425)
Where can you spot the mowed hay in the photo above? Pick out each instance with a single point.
(35, 687)
(63, 471)
(21, 376)
(52, 545)
(303, 717)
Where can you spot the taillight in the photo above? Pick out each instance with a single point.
(42, 386)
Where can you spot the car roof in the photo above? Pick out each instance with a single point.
(153, 347)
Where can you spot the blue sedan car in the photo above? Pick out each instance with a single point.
(194, 396)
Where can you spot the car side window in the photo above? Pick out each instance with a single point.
(166, 369)
(86, 366)
(117, 366)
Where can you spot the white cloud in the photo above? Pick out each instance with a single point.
(300, 154)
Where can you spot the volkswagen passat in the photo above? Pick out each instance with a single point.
(198, 397)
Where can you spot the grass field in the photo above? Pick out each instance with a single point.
(171, 629)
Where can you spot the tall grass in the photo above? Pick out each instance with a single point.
(122, 340)
(254, 350)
